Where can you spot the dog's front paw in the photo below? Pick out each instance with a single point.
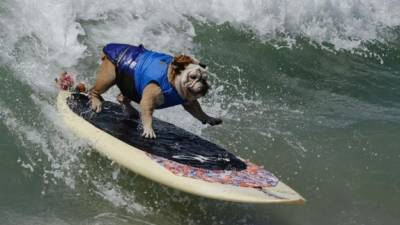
(213, 121)
(148, 132)
(96, 104)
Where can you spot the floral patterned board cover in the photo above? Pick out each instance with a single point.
(253, 176)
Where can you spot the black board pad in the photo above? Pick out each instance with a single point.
(172, 142)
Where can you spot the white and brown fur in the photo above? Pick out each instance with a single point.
(184, 74)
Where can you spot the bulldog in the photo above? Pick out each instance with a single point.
(153, 80)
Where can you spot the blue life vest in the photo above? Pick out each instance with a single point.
(144, 67)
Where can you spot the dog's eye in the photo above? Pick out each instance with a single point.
(192, 76)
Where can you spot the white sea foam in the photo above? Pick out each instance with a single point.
(56, 25)
(119, 197)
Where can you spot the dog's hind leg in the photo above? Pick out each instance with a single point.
(127, 107)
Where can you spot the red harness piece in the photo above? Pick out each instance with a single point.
(66, 82)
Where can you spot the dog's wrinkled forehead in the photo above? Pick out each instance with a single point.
(196, 69)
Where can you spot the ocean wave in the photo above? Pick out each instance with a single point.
(39, 39)
(168, 26)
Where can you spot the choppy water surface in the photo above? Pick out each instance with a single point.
(310, 89)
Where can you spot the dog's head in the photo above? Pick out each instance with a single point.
(189, 77)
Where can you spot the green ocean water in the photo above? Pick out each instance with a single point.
(325, 119)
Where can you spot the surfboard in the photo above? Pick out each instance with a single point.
(176, 158)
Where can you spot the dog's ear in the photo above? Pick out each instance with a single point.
(204, 66)
(180, 62)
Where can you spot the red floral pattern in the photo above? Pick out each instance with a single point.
(253, 176)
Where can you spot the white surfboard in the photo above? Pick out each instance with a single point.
(149, 166)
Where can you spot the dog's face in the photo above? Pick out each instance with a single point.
(194, 80)
(190, 78)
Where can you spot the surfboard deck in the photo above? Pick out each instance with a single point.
(177, 158)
